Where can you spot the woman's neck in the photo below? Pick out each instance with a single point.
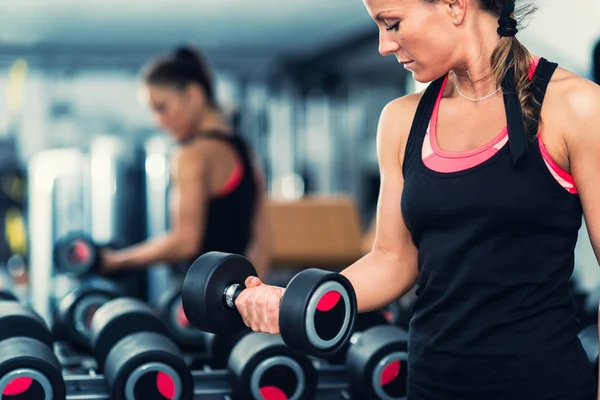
(213, 120)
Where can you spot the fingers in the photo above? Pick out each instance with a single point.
(259, 307)
(272, 312)
(252, 281)
(242, 304)
(254, 306)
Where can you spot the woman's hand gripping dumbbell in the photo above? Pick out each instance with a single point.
(314, 314)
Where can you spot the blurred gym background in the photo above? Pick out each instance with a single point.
(303, 80)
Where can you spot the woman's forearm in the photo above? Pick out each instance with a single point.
(164, 248)
(378, 279)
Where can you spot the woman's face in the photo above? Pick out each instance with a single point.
(175, 111)
(420, 34)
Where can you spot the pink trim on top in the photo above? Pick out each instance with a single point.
(563, 177)
(456, 154)
(234, 179)
(440, 160)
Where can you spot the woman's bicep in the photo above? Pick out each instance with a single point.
(392, 236)
(190, 197)
(583, 141)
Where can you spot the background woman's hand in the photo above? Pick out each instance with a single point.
(258, 305)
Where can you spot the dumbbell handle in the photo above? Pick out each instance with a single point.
(231, 294)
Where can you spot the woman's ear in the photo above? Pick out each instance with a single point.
(195, 94)
(456, 9)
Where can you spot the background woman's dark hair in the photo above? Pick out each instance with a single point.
(596, 63)
(521, 61)
(183, 67)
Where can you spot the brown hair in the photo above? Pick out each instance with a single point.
(521, 60)
(183, 67)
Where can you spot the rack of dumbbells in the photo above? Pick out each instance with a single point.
(91, 339)
(111, 346)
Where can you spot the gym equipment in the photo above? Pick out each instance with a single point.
(317, 311)
(28, 367)
(211, 384)
(219, 347)
(76, 254)
(364, 321)
(589, 340)
(73, 315)
(7, 295)
(263, 367)
(170, 310)
(376, 363)
(139, 361)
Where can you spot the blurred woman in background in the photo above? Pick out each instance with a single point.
(217, 194)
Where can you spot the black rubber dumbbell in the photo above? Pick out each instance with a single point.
(364, 321)
(138, 359)
(28, 367)
(191, 339)
(377, 363)
(77, 254)
(170, 310)
(262, 366)
(219, 347)
(73, 315)
(317, 311)
(7, 295)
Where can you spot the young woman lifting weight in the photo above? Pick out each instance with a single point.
(485, 177)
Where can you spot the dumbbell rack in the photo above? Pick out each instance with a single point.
(209, 383)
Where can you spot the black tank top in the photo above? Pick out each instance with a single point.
(493, 318)
(229, 217)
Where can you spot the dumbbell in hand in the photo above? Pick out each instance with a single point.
(77, 254)
(28, 367)
(138, 359)
(316, 313)
(74, 313)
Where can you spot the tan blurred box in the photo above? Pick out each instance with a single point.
(315, 231)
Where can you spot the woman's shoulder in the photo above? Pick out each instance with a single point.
(572, 104)
(574, 95)
(395, 123)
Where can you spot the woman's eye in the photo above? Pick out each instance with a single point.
(392, 27)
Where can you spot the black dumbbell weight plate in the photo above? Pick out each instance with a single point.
(203, 292)
(363, 322)
(317, 312)
(377, 363)
(29, 371)
(170, 310)
(75, 311)
(7, 295)
(76, 254)
(18, 320)
(120, 318)
(147, 366)
(219, 347)
(264, 367)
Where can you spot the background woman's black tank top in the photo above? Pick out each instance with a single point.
(494, 319)
(229, 217)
